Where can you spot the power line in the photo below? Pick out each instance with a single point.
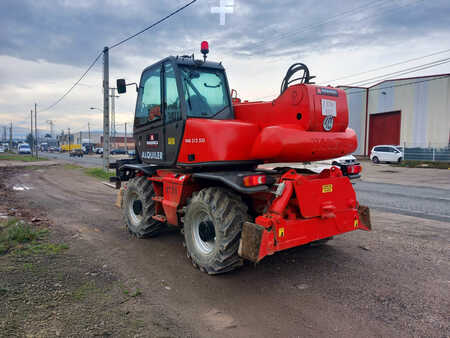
(388, 66)
(402, 72)
(400, 85)
(75, 84)
(310, 27)
(152, 25)
(317, 24)
(113, 46)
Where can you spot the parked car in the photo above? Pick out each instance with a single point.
(52, 149)
(99, 150)
(318, 166)
(386, 153)
(76, 152)
(24, 148)
(118, 152)
(2, 150)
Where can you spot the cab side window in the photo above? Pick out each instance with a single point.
(149, 105)
(171, 99)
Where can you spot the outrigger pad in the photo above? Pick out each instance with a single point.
(364, 218)
(250, 243)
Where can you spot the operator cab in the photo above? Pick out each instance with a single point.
(170, 92)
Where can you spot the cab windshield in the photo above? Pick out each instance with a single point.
(205, 91)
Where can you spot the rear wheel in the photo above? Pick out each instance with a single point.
(375, 159)
(212, 229)
(139, 207)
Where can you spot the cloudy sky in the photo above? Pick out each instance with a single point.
(45, 46)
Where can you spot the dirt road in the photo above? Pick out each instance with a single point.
(393, 281)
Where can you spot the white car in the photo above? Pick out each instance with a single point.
(24, 149)
(348, 164)
(2, 150)
(386, 153)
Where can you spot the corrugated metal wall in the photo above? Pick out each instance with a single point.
(424, 104)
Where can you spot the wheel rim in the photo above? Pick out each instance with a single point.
(135, 209)
(204, 234)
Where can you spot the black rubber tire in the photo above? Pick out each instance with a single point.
(226, 212)
(375, 160)
(143, 225)
(399, 160)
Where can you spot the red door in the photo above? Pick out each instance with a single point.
(384, 128)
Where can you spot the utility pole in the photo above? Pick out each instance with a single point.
(35, 129)
(69, 138)
(10, 137)
(113, 114)
(81, 140)
(126, 145)
(105, 108)
(31, 132)
(50, 122)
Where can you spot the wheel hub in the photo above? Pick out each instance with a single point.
(206, 231)
(137, 207)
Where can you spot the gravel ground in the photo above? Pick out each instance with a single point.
(392, 281)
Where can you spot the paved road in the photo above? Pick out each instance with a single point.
(430, 203)
(87, 160)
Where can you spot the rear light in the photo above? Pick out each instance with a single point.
(253, 180)
(354, 169)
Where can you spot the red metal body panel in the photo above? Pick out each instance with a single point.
(288, 129)
(171, 191)
(217, 140)
(325, 206)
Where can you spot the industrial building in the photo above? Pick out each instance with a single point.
(411, 112)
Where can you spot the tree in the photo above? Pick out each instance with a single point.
(30, 139)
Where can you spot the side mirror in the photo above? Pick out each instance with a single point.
(121, 86)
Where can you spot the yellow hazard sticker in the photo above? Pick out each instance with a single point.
(355, 223)
(327, 188)
(171, 140)
(281, 232)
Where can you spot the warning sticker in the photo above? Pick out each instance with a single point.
(327, 188)
(328, 107)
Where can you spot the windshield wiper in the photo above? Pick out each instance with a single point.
(189, 94)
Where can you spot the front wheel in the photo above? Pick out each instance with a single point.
(399, 160)
(375, 160)
(139, 207)
(212, 229)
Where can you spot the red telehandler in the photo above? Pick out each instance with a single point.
(198, 148)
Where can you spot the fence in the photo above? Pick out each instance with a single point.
(433, 153)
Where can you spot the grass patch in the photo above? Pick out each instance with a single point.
(99, 173)
(22, 158)
(423, 164)
(40, 248)
(22, 239)
(85, 290)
